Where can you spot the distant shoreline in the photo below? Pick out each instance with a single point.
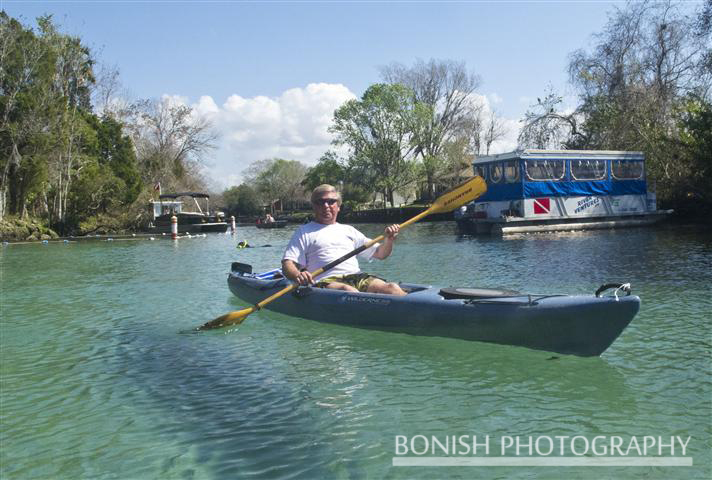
(42, 234)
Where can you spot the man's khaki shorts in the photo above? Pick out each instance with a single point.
(360, 281)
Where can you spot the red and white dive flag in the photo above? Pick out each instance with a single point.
(541, 206)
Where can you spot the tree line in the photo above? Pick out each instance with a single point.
(71, 152)
(76, 154)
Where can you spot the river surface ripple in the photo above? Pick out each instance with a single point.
(97, 381)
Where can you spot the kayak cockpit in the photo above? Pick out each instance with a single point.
(244, 269)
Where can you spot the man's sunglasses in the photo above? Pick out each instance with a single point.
(325, 201)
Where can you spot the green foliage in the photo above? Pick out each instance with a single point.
(26, 183)
(278, 179)
(329, 170)
(354, 195)
(442, 90)
(57, 159)
(696, 135)
(348, 178)
(116, 152)
(378, 129)
(644, 86)
(25, 77)
(95, 190)
(46, 80)
(16, 229)
(693, 192)
(242, 200)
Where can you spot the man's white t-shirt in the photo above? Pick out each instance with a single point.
(314, 245)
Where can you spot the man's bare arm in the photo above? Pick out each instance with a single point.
(384, 250)
(290, 269)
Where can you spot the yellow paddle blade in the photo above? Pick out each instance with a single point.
(460, 195)
(232, 318)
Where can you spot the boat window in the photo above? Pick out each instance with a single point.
(511, 171)
(545, 169)
(496, 172)
(481, 171)
(627, 169)
(588, 169)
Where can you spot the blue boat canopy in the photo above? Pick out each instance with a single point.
(561, 173)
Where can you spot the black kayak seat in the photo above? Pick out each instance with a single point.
(467, 293)
(238, 267)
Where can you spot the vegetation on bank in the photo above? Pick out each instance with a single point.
(72, 153)
(13, 229)
(80, 158)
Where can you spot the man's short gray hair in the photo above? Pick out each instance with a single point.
(325, 188)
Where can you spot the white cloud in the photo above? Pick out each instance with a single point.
(174, 100)
(508, 142)
(293, 126)
(494, 98)
(206, 106)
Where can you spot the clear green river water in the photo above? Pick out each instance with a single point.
(98, 383)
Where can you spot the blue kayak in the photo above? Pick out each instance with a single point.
(583, 325)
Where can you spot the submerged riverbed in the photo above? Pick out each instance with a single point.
(97, 381)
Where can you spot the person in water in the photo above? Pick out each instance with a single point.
(323, 240)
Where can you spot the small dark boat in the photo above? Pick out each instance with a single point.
(583, 325)
(198, 221)
(275, 224)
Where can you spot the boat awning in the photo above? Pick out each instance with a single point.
(184, 194)
(560, 155)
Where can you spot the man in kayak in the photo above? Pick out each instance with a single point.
(323, 240)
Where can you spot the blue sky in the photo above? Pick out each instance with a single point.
(270, 73)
